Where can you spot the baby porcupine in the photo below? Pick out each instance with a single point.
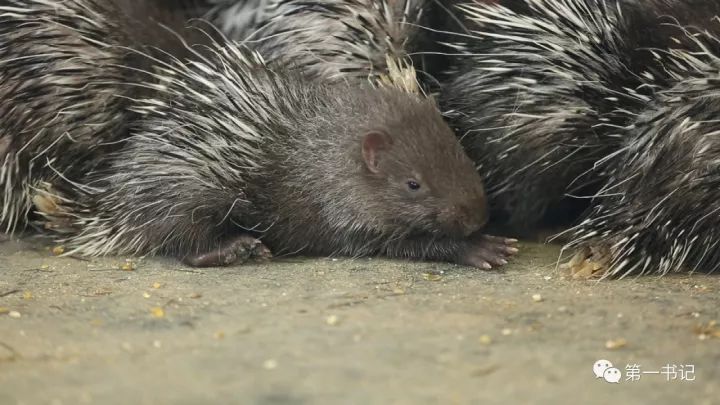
(225, 148)
(62, 87)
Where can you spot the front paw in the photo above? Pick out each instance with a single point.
(486, 252)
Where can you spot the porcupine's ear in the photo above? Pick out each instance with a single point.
(374, 145)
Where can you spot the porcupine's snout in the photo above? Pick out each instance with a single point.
(463, 219)
(473, 218)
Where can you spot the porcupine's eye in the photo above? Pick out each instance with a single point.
(413, 185)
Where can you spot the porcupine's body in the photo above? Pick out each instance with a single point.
(238, 19)
(228, 148)
(224, 148)
(658, 210)
(538, 96)
(356, 40)
(62, 88)
(608, 94)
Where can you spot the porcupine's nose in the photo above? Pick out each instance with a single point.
(470, 218)
(474, 218)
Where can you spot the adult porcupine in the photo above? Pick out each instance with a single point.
(61, 86)
(609, 89)
(227, 148)
(658, 211)
(539, 90)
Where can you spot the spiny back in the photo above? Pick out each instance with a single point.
(355, 40)
(65, 68)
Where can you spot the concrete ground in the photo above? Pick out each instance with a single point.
(309, 331)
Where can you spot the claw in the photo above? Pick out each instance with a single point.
(487, 251)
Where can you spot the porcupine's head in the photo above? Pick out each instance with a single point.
(414, 177)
